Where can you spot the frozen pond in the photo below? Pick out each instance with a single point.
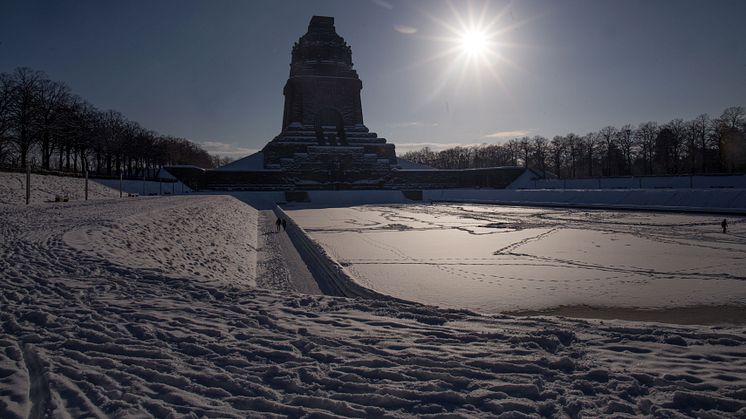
(496, 258)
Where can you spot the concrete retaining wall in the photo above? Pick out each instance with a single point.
(329, 274)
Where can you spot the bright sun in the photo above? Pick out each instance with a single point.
(476, 45)
(474, 42)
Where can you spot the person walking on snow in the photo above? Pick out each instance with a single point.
(284, 225)
(277, 224)
(724, 225)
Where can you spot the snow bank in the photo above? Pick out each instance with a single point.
(144, 188)
(204, 239)
(45, 187)
(81, 336)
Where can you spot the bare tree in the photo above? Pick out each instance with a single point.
(590, 143)
(50, 99)
(557, 153)
(5, 98)
(733, 117)
(525, 148)
(574, 146)
(645, 135)
(539, 147)
(22, 112)
(678, 132)
(606, 139)
(626, 146)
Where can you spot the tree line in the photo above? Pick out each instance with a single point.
(701, 145)
(43, 124)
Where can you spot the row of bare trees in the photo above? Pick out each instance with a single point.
(43, 124)
(702, 145)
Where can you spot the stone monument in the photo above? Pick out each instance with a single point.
(323, 138)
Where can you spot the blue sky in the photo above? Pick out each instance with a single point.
(213, 71)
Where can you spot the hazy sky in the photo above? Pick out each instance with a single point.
(213, 71)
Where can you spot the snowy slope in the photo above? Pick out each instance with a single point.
(204, 239)
(85, 331)
(46, 187)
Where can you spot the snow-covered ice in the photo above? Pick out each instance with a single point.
(495, 258)
(90, 327)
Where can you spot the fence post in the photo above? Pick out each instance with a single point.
(120, 183)
(28, 183)
(86, 184)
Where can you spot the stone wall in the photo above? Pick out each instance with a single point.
(200, 179)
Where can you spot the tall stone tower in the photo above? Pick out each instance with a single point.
(322, 124)
(323, 89)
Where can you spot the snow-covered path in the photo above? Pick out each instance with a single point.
(87, 330)
(280, 266)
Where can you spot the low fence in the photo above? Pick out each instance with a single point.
(152, 176)
(330, 275)
(47, 185)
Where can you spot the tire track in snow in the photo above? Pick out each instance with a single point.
(38, 382)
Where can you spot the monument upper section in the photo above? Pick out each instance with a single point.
(322, 125)
(321, 52)
(323, 88)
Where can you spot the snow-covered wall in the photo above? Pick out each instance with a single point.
(700, 200)
(332, 277)
(706, 200)
(528, 181)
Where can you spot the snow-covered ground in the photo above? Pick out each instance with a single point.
(44, 188)
(90, 327)
(495, 258)
(145, 188)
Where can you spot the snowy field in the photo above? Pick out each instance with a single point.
(118, 308)
(494, 259)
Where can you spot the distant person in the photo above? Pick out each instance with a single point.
(284, 225)
(724, 225)
(278, 223)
